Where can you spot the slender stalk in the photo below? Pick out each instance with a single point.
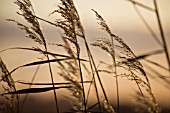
(117, 90)
(18, 102)
(51, 74)
(95, 68)
(78, 61)
(92, 61)
(91, 65)
(84, 96)
(96, 90)
(115, 71)
(141, 5)
(162, 33)
(147, 26)
(81, 76)
(32, 80)
(52, 79)
(80, 70)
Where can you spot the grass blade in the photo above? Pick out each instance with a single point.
(36, 90)
(37, 50)
(35, 63)
(141, 5)
(45, 61)
(157, 64)
(64, 83)
(148, 26)
(162, 34)
(144, 56)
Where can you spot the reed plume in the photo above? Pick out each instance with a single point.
(33, 31)
(72, 67)
(133, 69)
(8, 104)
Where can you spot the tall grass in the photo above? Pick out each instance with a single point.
(8, 103)
(72, 68)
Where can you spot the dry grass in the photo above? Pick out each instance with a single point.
(72, 68)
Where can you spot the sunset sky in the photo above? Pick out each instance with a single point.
(122, 19)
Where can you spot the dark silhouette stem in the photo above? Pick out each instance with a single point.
(162, 33)
(147, 26)
(52, 80)
(117, 90)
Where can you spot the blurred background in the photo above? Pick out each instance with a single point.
(122, 19)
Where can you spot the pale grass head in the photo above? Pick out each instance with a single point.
(8, 103)
(133, 70)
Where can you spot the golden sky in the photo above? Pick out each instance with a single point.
(119, 15)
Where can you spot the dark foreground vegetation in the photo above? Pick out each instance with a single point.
(76, 71)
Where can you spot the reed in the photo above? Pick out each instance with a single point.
(74, 70)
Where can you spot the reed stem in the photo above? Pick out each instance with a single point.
(162, 33)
